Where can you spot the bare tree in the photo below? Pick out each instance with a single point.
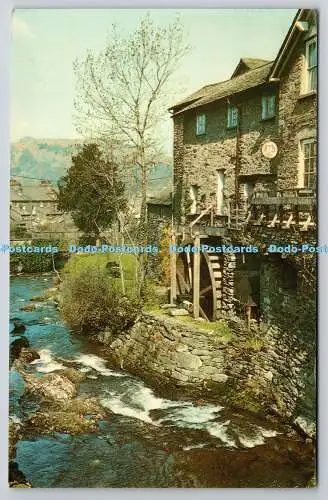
(122, 92)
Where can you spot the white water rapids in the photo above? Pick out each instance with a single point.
(130, 398)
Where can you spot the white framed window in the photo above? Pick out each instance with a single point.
(310, 77)
(200, 124)
(220, 192)
(193, 199)
(307, 177)
(232, 116)
(268, 106)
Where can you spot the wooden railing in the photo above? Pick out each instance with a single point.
(208, 210)
(292, 209)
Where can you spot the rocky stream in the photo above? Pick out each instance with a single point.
(75, 421)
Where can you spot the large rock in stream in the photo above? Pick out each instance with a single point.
(28, 307)
(16, 477)
(51, 294)
(53, 386)
(17, 346)
(19, 327)
(76, 416)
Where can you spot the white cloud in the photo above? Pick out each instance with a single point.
(20, 29)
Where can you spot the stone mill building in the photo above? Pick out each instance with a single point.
(245, 175)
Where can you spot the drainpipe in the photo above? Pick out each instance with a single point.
(237, 168)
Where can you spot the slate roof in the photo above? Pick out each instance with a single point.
(31, 193)
(220, 90)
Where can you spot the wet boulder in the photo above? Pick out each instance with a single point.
(38, 298)
(17, 478)
(16, 347)
(51, 294)
(14, 435)
(52, 386)
(75, 376)
(28, 355)
(76, 416)
(19, 327)
(28, 307)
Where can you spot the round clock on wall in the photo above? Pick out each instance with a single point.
(269, 149)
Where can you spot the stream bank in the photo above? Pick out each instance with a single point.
(127, 434)
(258, 370)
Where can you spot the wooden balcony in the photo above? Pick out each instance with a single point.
(293, 209)
(307, 201)
(290, 211)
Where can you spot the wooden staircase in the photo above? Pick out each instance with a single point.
(215, 266)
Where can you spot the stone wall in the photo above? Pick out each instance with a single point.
(197, 159)
(228, 282)
(255, 371)
(288, 304)
(297, 114)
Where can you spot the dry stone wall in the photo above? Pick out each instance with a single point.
(183, 359)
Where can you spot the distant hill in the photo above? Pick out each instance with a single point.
(41, 158)
(50, 159)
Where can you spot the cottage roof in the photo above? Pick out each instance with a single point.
(32, 193)
(220, 90)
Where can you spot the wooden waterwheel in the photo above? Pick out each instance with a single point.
(210, 287)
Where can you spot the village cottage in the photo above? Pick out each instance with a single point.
(34, 212)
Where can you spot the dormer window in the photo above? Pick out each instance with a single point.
(232, 117)
(310, 65)
(200, 124)
(268, 106)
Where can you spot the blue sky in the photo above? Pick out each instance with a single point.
(46, 41)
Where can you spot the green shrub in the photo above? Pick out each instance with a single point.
(33, 262)
(148, 293)
(78, 262)
(93, 300)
